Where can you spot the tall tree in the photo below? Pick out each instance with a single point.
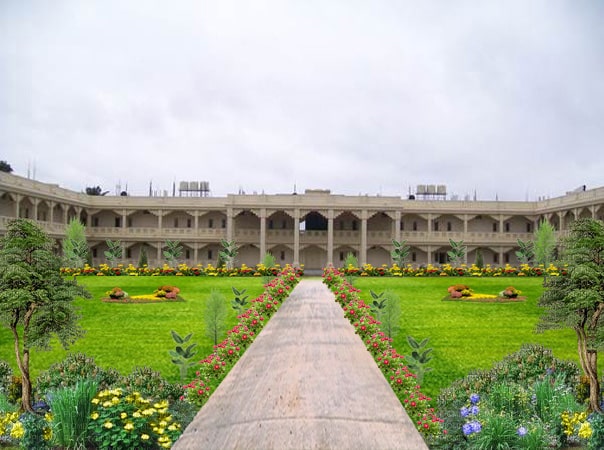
(576, 300)
(36, 302)
(5, 167)
(544, 245)
(75, 245)
(215, 316)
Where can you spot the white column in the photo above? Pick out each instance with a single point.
(262, 233)
(330, 237)
(230, 225)
(296, 238)
(363, 259)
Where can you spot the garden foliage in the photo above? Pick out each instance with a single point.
(216, 366)
(522, 398)
(36, 302)
(403, 382)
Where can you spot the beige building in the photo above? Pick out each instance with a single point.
(315, 228)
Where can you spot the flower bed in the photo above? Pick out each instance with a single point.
(390, 362)
(446, 270)
(181, 270)
(164, 293)
(462, 292)
(215, 367)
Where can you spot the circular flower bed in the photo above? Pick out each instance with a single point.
(165, 293)
(462, 292)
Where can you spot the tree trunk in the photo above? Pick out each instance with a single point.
(589, 364)
(23, 364)
(26, 383)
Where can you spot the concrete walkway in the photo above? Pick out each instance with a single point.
(307, 382)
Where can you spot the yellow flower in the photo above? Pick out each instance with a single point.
(129, 426)
(136, 414)
(144, 437)
(123, 415)
(94, 415)
(585, 430)
(17, 431)
(108, 425)
(95, 401)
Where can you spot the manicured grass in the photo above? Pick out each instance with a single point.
(124, 336)
(467, 336)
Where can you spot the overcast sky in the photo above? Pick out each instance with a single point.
(505, 98)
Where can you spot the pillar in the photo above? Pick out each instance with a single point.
(330, 214)
(296, 238)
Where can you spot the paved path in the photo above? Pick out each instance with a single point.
(307, 382)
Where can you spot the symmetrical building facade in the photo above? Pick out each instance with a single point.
(315, 229)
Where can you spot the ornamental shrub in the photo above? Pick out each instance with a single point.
(74, 368)
(6, 374)
(36, 431)
(150, 383)
(520, 384)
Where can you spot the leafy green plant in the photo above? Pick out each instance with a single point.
(544, 245)
(391, 315)
(386, 309)
(215, 316)
(173, 252)
(351, 269)
(378, 304)
(240, 302)
(269, 262)
(400, 253)
(75, 246)
(150, 383)
(525, 252)
(183, 353)
(72, 370)
(479, 259)
(36, 431)
(457, 254)
(6, 373)
(575, 301)
(143, 259)
(596, 442)
(420, 357)
(71, 409)
(114, 252)
(228, 253)
(122, 420)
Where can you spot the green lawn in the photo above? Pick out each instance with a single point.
(124, 336)
(467, 336)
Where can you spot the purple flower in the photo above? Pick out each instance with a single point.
(522, 431)
(474, 410)
(464, 412)
(476, 426)
(471, 428)
(474, 398)
(467, 429)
